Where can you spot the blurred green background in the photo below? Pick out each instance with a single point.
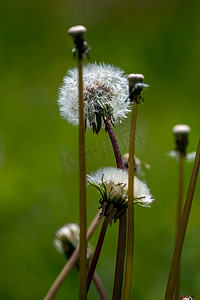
(38, 150)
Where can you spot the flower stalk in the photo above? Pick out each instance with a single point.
(120, 259)
(71, 262)
(181, 132)
(97, 252)
(130, 237)
(178, 218)
(135, 87)
(77, 32)
(182, 228)
(114, 143)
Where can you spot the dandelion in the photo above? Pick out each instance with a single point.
(67, 239)
(105, 90)
(112, 183)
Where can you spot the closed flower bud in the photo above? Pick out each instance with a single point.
(181, 133)
(136, 86)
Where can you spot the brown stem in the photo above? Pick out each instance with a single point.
(69, 265)
(119, 269)
(99, 286)
(179, 212)
(82, 191)
(97, 252)
(115, 145)
(130, 237)
(182, 228)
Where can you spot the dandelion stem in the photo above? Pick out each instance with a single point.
(182, 228)
(130, 238)
(99, 287)
(97, 252)
(70, 263)
(82, 191)
(119, 269)
(115, 145)
(179, 212)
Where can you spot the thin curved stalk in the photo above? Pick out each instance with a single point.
(130, 238)
(70, 263)
(99, 286)
(182, 228)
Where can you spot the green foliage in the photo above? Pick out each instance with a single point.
(38, 150)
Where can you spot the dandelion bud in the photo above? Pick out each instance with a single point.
(135, 87)
(77, 30)
(67, 239)
(77, 33)
(181, 132)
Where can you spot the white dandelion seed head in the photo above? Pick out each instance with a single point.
(66, 236)
(105, 91)
(116, 182)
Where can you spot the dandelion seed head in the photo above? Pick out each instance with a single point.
(116, 182)
(105, 90)
(67, 237)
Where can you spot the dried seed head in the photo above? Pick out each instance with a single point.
(125, 161)
(77, 33)
(181, 133)
(77, 30)
(67, 239)
(135, 87)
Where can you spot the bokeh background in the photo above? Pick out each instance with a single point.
(38, 150)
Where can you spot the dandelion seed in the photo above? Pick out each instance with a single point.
(104, 90)
(112, 183)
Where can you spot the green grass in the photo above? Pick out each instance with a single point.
(39, 193)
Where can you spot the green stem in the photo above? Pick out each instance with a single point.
(97, 252)
(130, 238)
(82, 191)
(182, 228)
(119, 269)
(70, 263)
(179, 212)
